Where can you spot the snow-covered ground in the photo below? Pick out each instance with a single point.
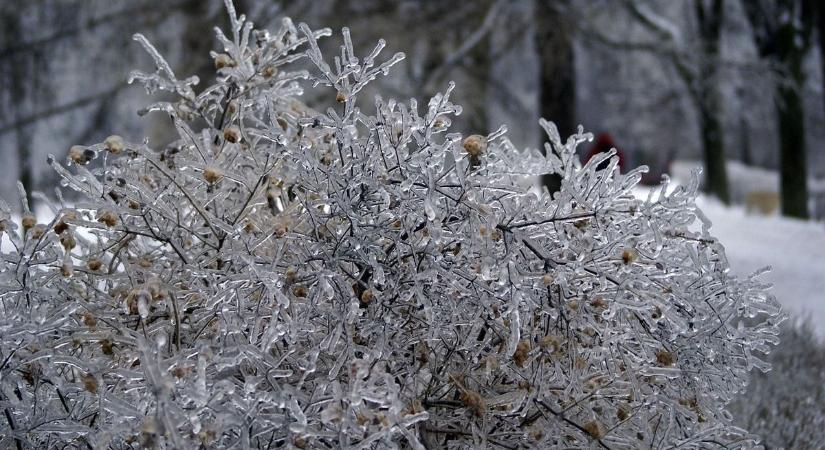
(795, 250)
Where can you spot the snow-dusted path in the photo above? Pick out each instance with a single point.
(794, 249)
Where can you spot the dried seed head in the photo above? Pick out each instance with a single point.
(107, 347)
(66, 269)
(28, 221)
(114, 144)
(326, 158)
(300, 291)
(78, 155)
(232, 134)
(595, 429)
(623, 412)
(67, 241)
(38, 231)
(598, 303)
(367, 296)
(223, 60)
(550, 342)
(89, 320)
(107, 217)
(629, 255)
(90, 383)
(291, 274)
(212, 174)
(341, 97)
(94, 264)
(270, 71)
(665, 358)
(300, 442)
(475, 145)
(547, 279)
(522, 352)
(60, 227)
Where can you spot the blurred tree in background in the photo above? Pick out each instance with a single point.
(705, 80)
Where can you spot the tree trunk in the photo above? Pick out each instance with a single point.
(17, 66)
(557, 79)
(793, 170)
(716, 174)
(821, 31)
(786, 43)
(792, 146)
(713, 141)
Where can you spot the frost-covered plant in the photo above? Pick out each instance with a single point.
(785, 406)
(284, 278)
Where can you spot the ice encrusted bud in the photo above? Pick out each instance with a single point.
(212, 174)
(232, 134)
(28, 221)
(223, 60)
(107, 217)
(475, 145)
(80, 155)
(114, 144)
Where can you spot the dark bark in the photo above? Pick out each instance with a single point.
(786, 44)
(793, 182)
(820, 25)
(17, 88)
(557, 82)
(708, 100)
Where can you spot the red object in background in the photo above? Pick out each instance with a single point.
(603, 144)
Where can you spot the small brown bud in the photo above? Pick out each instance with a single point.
(475, 145)
(67, 241)
(623, 412)
(77, 154)
(66, 269)
(90, 383)
(107, 347)
(223, 60)
(598, 303)
(367, 296)
(212, 174)
(547, 279)
(522, 353)
(300, 291)
(38, 231)
(94, 264)
(629, 255)
(114, 144)
(594, 429)
(664, 358)
(232, 134)
(28, 221)
(291, 274)
(270, 71)
(60, 227)
(107, 217)
(341, 97)
(89, 320)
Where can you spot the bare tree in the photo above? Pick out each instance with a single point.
(694, 57)
(557, 80)
(782, 30)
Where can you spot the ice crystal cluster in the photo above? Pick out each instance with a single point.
(362, 277)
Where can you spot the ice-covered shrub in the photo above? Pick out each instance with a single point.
(786, 406)
(362, 278)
